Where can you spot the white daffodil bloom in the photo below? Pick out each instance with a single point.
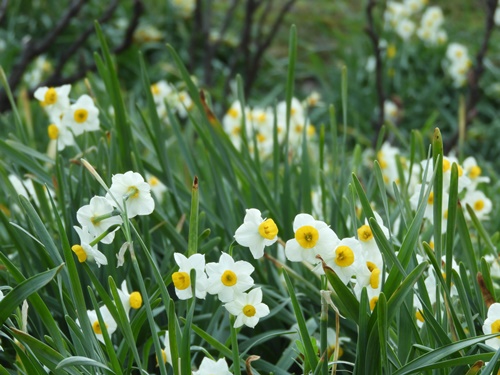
(158, 188)
(232, 123)
(166, 353)
(480, 204)
(492, 325)
(97, 217)
(248, 308)
(182, 278)
(371, 252)
(60, 133)
(405, 28)
(54, 100)
(84, 251)
(82, 116)
(96, 326)
(312, 237)
(256, 233)
(432, 17)
(474, 172)
(229, 278)
(129, 300)
(131, 188)
(345, 258)
(211, 367)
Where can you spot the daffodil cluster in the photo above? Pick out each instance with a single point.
(457, 63)
(259, 124)
(175, 97)
(67, 120)
(128, 195)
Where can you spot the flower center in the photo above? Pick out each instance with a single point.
(446, 165)
(80, 253)
(135, 300)
(475, 172)
(307, 236)
(228, 278)
(268, 229)
(132, 192)
(233, 112)
(365, 233)
(97, 328)
(153, 181)
(373, 302)
(181, 280)
(371, 266)
(50, 96)
(430, 200)
(478, 205)
(249, 310)
(53, 131)
(375, 278)
(81, 115)
(155, 90)
(495, 327)
(344, 256)
(419, 316)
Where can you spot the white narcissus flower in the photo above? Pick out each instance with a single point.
(248, 308)
(312, 237)
(211, 367)
(492, 325)
(82, 116)
(97, 217)
(54, 100)
(480, 204)
(158, 188)
(345, 258)
(256, 233)
(59, 132)
(182, 278)
(474, 172)
(229, 278)
(405, 28)
(371, 252)
(166, 353)
(96, 326)
(131, 187)
(129, 300)
(84, 251)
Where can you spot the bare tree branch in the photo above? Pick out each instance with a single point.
(264, 45)
(374, 38)
(476, 72)
(33, 50)
(3, 10)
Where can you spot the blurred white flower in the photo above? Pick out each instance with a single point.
(96, 326)
(479, 202)
(492, 325)
(129, 300)
(82, 116)
(54, 100)
(60, 133)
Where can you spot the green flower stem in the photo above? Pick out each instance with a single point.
(323, 321)
(104, 234)
(234, 347)
(100, 218)
(193, 220)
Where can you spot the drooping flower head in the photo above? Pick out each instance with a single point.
(229, 278)
(182, 278)
(97, 217)
(248, 308)
(129, 300)
(96, 325)
(84, 251)
(256, 233)
(131, 188)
